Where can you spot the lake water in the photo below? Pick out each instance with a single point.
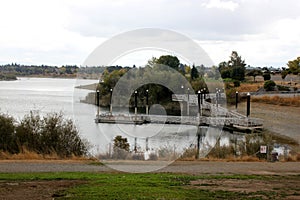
(47, 95)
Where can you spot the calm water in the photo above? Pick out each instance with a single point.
(47, 95)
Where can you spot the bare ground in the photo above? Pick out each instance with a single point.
(282, 120)
(274, 188)
(24, 190)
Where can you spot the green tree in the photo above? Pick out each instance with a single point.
(254, 73)
(237, 66)
(267, 75)
(294, 66)
(201, 70)
(121, 147)
(194, 73)
(284, 73)
(151, 62)
(168, 60)
(234, 68)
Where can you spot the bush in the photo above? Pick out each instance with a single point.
(230, 96)
(283, 88)
(153, 156)
(267, 76)
(236, 83)
(7, 135)
(121, 148)
(167, 153)
(51, 134)
(221, 152)
(269, 85)
(189, 153)
(138, 156)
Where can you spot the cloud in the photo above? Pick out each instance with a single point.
(227, 5)
(65, 31)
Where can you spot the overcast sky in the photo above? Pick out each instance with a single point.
(59, 32)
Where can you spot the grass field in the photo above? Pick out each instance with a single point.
(155, 186)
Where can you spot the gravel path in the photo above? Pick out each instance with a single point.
(189, 167)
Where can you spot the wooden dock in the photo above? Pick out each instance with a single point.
(218, 117)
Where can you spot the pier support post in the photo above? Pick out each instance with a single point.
(248, 104)
(147, 102)
(147, 144)
(109, 150)
(217, 97)
(188, 102)
(135, 105)
(236, 99)
(135, 144)
(198, 142)
(201, 97)
(98, 102)
(199, 104)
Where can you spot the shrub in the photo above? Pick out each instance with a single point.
(221, 152)
(167, 153)
(236, 83)
(138, 156)
(51, 134)
(267, 76)
(121, 147)
(269, 85)
(153, 156)
(253, 143)
(7, 136)
(230, 96)
(283, 88)
(189, 153)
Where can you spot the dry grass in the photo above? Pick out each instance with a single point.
(250, 87)
(293, 158)
(30, 155)
(276, 100)
(231, 159)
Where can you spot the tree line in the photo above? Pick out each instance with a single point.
(11, 71)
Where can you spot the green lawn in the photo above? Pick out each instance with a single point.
(140, 186)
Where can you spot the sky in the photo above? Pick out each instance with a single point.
(60, 32)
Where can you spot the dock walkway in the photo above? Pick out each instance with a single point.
(218, 117)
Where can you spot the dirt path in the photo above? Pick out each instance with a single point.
(188, 167)
(283, 120)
